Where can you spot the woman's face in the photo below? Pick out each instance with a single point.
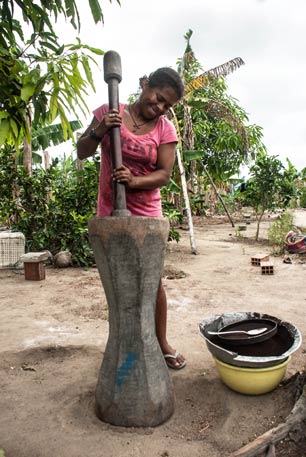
(156, 101)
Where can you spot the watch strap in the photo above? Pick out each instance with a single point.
(94, 136)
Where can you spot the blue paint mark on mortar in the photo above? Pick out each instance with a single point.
(126, 368)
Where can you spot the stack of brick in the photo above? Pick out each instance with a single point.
(263, 260)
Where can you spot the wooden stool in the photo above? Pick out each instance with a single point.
(34, 267)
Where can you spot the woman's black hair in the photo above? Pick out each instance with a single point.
(167, 77)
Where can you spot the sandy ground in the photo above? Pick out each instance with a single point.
(53, 333)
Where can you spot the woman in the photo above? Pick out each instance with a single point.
(148, 142)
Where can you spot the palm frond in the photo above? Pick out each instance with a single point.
(226, 68)
(216, 72)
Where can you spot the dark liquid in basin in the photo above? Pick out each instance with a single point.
(274, 346)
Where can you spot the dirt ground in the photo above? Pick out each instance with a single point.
(53, 333)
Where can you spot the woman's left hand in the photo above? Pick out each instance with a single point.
(124, 176)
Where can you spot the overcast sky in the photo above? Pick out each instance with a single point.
(269, 35)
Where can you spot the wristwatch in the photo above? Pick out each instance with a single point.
(93, 135)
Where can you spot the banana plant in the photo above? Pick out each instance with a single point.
(212, 126)
(205, 104)
(44, 137)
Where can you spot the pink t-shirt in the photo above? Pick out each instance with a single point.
(139, 154)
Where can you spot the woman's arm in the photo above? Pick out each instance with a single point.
(158, 178)
(88, 142)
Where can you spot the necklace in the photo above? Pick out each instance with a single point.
(135, 125)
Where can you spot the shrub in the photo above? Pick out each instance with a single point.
(52, 207)
(303, 198)
(278, 231)
(175, 217)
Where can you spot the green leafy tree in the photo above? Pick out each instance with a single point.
(290, 184)
(8, 177)
(41, 78)
(265, 190)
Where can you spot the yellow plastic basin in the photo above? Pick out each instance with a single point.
(251, 381)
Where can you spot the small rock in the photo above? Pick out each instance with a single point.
(62, 259)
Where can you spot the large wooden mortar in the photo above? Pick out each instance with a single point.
(134, 387)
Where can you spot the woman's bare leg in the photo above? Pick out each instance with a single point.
(161, 328)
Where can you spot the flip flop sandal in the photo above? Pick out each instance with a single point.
(174, 356)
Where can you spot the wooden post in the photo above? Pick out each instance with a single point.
(187, 204)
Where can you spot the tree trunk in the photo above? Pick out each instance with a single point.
(15, 193)
(80, 166)
(258, 224)
(188, 141)
(47, 159)
(187, 204)
(219, 196)
(27, 148)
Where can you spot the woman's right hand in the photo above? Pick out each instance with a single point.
(87, 145)
(109, 120)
